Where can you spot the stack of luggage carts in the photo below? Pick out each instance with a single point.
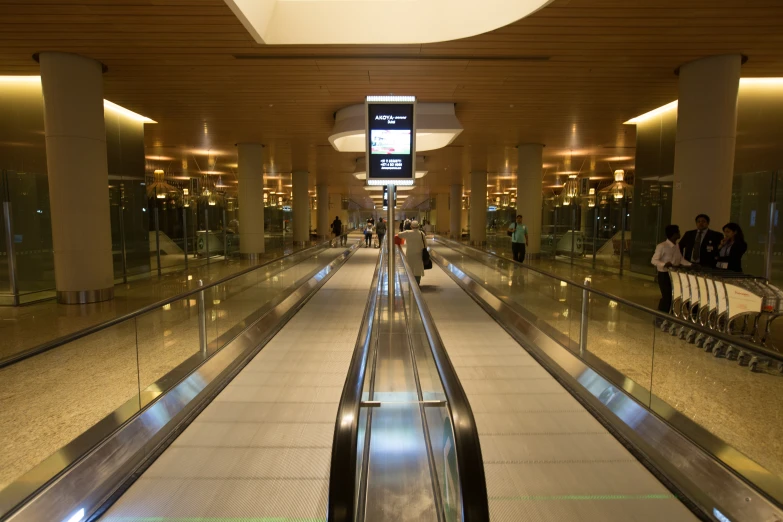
(731, 303)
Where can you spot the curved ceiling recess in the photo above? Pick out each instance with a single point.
(436, 123)
(317, 22)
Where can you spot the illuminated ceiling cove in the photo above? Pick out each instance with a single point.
(436, 127)
(317, 22)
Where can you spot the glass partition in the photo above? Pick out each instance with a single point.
(89, 386)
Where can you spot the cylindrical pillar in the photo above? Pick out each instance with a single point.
(478, 207)
(78, 177)
(529, 194)
(322, 199)
(251, 200)
(455, 212)
(706, 138)
(442, 213)
(301, 207)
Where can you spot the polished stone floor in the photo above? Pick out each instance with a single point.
(733, 403)
(49, 399)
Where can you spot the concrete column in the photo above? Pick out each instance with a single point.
(251, 200)
(301, 207)
(478, 207)
(706, 138)
(78, 177)
(529, 193)
(455, 212)
(322, 199)
(442, 213)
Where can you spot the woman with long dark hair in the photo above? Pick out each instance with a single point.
(732, 248)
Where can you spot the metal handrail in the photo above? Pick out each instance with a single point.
(60, 341)
(656, 313)
(342, 475)
(470, 464)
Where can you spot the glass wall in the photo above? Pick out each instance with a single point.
(26, 228)
(593, 229)
(755, 206)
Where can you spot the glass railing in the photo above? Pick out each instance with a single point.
(65, 398)
(724, 404)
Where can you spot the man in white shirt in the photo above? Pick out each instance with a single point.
(668, 254)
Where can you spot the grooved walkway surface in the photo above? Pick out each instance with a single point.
(546, 458)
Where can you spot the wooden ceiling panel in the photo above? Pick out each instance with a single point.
(567, 76)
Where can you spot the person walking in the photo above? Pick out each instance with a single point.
(402, 225)
(731, 248)
(337, 230)
(700, 246)
(368, 234)
(667, 255)
(414, 244)
(518, 233)
(380, 229)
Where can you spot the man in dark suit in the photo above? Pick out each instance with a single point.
(701, 246)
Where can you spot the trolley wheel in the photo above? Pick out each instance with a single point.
(718, 351)
(731, 353)
(753, 365)
(743, 358)
(780, 367)
(701, 342)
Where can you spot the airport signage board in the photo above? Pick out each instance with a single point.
(391, 140)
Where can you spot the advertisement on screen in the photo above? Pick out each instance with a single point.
(390, 141)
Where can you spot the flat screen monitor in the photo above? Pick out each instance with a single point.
(391, 139)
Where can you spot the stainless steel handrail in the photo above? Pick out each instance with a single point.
(60, 341)
(470, 464)
(342, 475)
(655, 313)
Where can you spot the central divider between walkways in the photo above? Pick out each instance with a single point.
(406, 445)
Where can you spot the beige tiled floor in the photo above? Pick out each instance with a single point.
(49, 399)
(730, 401)
(545, 457)
(262, 448)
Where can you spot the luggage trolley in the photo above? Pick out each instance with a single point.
(747, 299)
(771, 310)
(680, 301)
(684, 297)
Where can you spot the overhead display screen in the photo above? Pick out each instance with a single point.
(390, 141)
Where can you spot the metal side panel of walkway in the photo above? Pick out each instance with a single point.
(262, 448)
(546, 458)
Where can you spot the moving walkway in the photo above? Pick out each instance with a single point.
(697, 425)
(247, 430)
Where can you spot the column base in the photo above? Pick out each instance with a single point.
(251, 257)
(533, 257)
(301, 243)
(478, 243)
(85, 296)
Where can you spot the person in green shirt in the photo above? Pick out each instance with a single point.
(518, 233)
